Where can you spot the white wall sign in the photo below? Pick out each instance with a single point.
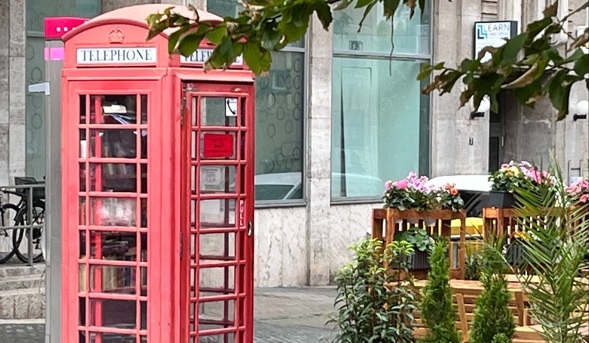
(200, 56)
(137, 55)
(492, 33)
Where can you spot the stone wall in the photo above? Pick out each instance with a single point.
(12, 90)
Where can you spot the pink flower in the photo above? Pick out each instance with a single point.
(402, 184)
(584, 198)
(388, 184)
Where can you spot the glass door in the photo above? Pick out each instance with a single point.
(106, 240)
(217, 243)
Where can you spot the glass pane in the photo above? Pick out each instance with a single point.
(279, 128)
(113, 211)
(217, 246)
(114, 279)
(217, 179)
(114, 338)
(411, 36)
(114, 177)
(378, 136)
(114, 109)
(114, 143)
(114, 245)
(217, 212)
(218, 111)
(113, 313)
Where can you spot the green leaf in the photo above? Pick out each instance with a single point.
(390, 6)
(173, 40)
(324, 14)
(362, 3)
(216, 35)
(366, 12)
(189, 43)
(582, 65)
(257, 59)
(536, 27)
(551, 11)
(512, 48)
(270, 38)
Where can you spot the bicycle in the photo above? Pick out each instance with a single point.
(21, 218)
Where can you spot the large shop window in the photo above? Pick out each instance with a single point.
(280, 107)
(36, 12)
(380, 120)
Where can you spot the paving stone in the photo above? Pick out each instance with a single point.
(21, 306)
(282, 316)
(6, 307)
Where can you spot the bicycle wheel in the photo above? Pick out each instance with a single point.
(8, 213)
(20, 244)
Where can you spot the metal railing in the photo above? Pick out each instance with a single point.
(29, 193)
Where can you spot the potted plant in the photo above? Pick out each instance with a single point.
(511, 176)
(515, 252)
(421, 243)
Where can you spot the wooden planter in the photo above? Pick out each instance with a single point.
(388, 222)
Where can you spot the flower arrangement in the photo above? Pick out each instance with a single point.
(416, 193)
(513, 175)
(579, 191)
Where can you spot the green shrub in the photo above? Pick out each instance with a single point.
(492, 316)
(501, 338)
(373, 304)
(437, 310)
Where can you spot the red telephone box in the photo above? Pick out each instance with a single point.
(157, 186)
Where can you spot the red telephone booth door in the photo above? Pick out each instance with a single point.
(217, 208)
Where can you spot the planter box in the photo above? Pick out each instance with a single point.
(515, 254)
(501, 199)
(419, 260)
(387, 222)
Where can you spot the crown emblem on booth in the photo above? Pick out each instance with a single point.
(116, 36)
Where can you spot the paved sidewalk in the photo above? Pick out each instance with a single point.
(282, 315)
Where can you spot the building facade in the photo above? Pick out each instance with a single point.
(340, 113)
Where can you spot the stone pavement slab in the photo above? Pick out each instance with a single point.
(282, 315)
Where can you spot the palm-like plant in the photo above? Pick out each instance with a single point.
(551, 273)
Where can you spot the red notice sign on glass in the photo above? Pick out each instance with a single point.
(217, 145)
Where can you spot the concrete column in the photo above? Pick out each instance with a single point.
(4, 90)
(510, 10)
(318, 154)
(16, 89)
(453, 154)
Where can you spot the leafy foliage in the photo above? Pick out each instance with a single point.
(556, 288)
(492, 316)
(261, 27)
(528, 64)
(375, 305)
(501, 338)
(437, 309)
(417, 237)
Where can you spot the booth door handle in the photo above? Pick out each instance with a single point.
(250, 229)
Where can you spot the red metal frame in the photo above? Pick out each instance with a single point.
(173, 226)
(232, 256)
